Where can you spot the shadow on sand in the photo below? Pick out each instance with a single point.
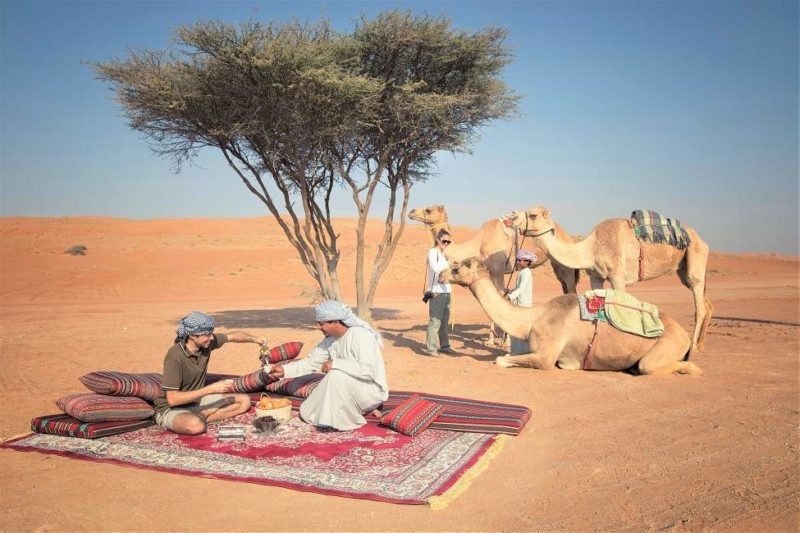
(286, 317)
(469, 337)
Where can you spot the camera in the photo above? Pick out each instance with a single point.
(427, 295)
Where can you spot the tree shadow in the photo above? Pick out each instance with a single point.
(287, 317)
(756, 320)
(469, 335)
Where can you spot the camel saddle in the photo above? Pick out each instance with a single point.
(626, 313)
(649, 226)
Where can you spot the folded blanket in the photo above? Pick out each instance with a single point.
(649, 226)
(626, 313)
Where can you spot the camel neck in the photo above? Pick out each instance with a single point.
(571, 255)
(517, 321)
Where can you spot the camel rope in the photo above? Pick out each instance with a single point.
(587, 361)
(641, 251)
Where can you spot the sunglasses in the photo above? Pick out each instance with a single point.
(445, 242)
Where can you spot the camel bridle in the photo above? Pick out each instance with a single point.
(437, 225)
(476, 277)
(534, 235)
(527, 233)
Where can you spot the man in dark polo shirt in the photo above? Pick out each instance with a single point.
(185, 403)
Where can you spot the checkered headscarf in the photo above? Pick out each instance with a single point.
(195, 323)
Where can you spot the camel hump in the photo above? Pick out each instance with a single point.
(650, 226)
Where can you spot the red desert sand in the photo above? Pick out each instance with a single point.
(603, 450)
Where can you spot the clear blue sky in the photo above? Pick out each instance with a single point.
(689, 108)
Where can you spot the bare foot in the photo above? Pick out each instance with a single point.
(202, 411)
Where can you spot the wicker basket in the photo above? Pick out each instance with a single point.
(281, 414)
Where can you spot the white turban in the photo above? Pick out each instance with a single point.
(526, 255)
(331, 310)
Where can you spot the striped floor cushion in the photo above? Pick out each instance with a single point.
(144, 386)
(280, 353)
(462, 414)
(91, 407)
(253, 382)
(67, 426)
(300, 386)
(413, 415)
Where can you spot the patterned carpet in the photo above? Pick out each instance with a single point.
(372, 462)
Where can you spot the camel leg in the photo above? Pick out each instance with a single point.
(596, 281)
(693, 277)
(667, 354)
(567, 277)
(617, 282)
(498, 278)
(702, 338)
(538, 360)
(492, 335)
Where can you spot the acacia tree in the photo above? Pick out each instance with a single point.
(299, 109)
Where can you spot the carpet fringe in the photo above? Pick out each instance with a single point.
(17, 436)
(440, 502)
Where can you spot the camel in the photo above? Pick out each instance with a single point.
(558, 337)
(612, 252)
(494, 245)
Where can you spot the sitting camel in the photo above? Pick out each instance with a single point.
(494, 245)
(558, 336)
(613, 252)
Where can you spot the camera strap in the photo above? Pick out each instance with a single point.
(433, 276)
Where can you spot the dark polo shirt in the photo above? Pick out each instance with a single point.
(184, 371)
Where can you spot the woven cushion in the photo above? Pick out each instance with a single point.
(252, 382)
(90, 407)
(144, 386)
(67, 426)
(300, 386)
(284, 352)
(413, 415)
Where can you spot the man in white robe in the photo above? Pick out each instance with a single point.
(522, 295)
(355, 377)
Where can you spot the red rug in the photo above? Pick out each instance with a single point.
(372, 462)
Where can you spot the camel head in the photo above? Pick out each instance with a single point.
(465, 272)
(431, 215)
(533, 222)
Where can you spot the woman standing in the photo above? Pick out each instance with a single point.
(439, 301)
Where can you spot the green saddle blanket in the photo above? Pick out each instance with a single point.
(627, 313)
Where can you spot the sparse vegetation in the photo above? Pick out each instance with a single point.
(78, 249)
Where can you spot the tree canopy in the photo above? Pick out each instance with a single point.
(298, 109)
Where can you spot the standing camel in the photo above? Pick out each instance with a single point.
(613, 252)
(495, 245)
(558, 337)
